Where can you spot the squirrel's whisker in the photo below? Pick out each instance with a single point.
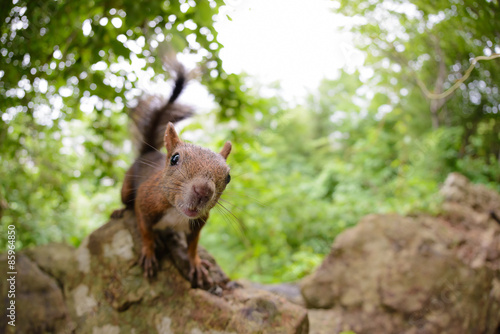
(250, 197)
(232, 214)
(147, 164)
(229, 220)
(239, 175)
(154, 148)
(149, 161)
(234, 223)
(233, 205)
(184, 176)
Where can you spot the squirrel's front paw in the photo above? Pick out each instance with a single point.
(148, 262)
(198, 274)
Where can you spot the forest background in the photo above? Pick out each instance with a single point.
(377, 138)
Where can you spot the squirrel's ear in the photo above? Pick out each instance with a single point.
(226, 149)
(171, 138)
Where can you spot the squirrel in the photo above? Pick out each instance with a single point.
(175, 190)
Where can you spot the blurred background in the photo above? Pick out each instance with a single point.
(336, 109)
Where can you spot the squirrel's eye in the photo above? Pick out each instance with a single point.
(228, 178)
(174, 160)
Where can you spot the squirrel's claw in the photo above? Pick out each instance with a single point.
(149, 263)
(198, 274)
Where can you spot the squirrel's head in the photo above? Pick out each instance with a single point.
(198, 176)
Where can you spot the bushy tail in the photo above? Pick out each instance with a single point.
(153, 112)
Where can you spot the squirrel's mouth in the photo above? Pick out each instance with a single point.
(191, 213)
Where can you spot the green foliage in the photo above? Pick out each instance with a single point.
(360, 144)
(408, 42)
(66, 76)
(366, 143)
(300, 187)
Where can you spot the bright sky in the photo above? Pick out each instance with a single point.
(294, 42)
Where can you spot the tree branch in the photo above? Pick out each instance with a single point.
(437, 96)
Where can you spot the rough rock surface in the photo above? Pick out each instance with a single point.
(99, 288)
(287, 290)
(417, 274)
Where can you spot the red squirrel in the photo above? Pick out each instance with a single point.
(175, 190)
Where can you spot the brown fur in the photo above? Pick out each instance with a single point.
(191, 187)
(174, 187)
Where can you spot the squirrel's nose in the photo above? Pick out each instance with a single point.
(203, 191)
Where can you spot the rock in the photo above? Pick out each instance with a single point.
(99, 288)
(458, 189)
(39, 302)
(54, 259)
(325, 321)
(418, 274)
(290, 291)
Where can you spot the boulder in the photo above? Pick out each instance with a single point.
(287, 290)
(99, 288)
(39, 305)
(414, 274)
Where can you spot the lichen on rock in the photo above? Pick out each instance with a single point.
(99, 288)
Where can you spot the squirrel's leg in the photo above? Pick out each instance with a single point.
(148, 258)
(127, 194)
(198, 273)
